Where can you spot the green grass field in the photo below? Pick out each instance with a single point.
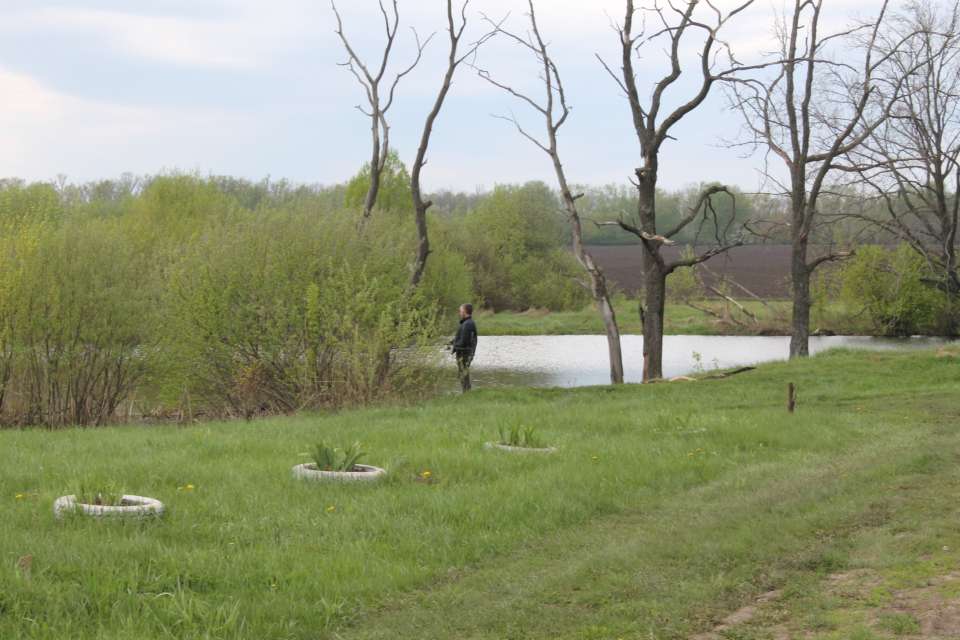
(771, 318)
(666, 508)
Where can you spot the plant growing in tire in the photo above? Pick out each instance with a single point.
(521, 439)
(335, 464)
(106, 501)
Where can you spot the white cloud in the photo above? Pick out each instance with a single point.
(47, 132)
(243, 37)
(301, 118)
(190, 42)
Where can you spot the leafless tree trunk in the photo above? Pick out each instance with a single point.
(810, 114)
(555, 111)
(456, 25)
(653, 124)
(379, 97)
(912, 162)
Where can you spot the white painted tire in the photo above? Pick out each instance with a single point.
(506, 447)
(310, 472)
(134, 507)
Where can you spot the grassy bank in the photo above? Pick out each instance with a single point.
(768, 318)
(665, 508)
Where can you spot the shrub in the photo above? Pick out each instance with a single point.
(891, 289)
(283, 314)
(76, 317)
(394, 193)
(514, 242)
(212, 295)
(22, 204)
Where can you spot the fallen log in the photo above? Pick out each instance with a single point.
(712, 376)
(727, 374)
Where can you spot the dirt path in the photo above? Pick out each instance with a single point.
(907, 584)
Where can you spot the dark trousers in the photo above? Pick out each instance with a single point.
(463, 368)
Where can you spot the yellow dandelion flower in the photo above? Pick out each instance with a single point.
(331, 509)
(21, 496)
(427, 474)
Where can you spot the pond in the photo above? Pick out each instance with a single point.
(576, 361)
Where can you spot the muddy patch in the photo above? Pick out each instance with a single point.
(928, 612)
(935, 609)
(739, 617)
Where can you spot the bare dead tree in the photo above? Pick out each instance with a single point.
(912, 161)
(379, 95)
(810, 113)
(456, 26)
(677, 25)
(555, 110)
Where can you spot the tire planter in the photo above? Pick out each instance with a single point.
(130, 507)
(506, 447)
(366, 473)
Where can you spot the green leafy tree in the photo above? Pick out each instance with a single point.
(889, 287)
(394, 193)
(515, 241)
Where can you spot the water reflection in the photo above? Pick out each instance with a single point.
(575, 361)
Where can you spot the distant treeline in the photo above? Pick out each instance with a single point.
(757, 218)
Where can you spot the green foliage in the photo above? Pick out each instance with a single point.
(448, 280)
(281, 314)
(22, 204)
(175, 207)
(105, 494)
(891, 289)
(521, 436)
(682, 284)
(394, 194)
(514, 242)
(329, 458)
(207, 296)
(76, 305)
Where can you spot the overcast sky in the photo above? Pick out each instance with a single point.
(251, 88)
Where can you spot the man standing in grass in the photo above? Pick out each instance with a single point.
(465, 345)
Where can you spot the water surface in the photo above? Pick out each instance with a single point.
(575, 361)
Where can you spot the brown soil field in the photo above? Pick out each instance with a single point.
(763, 269)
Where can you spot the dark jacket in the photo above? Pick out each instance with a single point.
(465, 342)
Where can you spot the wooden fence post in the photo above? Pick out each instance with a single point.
(791, 397)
